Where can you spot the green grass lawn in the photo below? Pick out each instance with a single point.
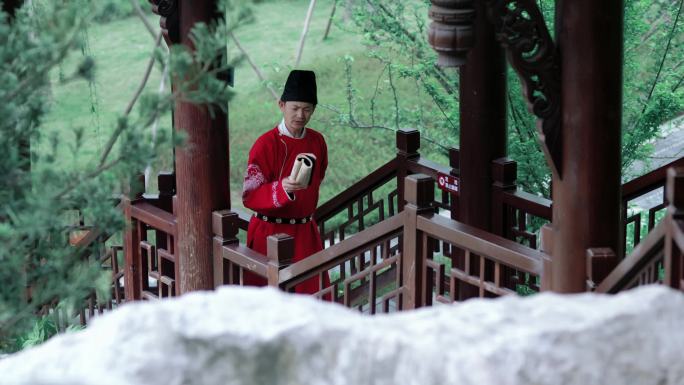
(121, 50)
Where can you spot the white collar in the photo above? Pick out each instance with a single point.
(284, 131)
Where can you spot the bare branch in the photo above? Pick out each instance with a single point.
(143, 18)
(307, 21)
(254, 67)
(131, 104)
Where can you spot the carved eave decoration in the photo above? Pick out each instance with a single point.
(169, 22)
(521, 30)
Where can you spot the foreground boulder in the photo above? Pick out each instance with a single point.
(261, 336)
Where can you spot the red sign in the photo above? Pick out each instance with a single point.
(448, 183)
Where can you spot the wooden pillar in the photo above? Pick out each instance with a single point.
(225, 228)
(483, 121)
(131, 241)
(408, 143)
(420, 193)
(586, 201)
(280, 253)
(201, 169)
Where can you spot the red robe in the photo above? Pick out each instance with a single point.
(270, 161)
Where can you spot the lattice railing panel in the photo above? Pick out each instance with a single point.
(456, 274)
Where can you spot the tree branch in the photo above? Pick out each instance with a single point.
(254, 67)
(131, 104)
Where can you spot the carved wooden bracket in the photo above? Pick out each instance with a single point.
(531, 51)
(169, 22)
(451, 32)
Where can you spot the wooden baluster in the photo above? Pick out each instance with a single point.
(504, 174)
(280, 253)
(455, 164)
(408, 143)
(600, 262)
(224, 223)
(420, 193)
(673, 254)
(133, 263)
(545, 246)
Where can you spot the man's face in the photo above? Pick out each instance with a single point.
(296, 114)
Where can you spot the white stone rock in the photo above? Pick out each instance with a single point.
(243, 336)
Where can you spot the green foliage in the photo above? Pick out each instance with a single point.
(394, 33)
(39, 267)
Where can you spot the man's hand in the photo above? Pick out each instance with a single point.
(289, 185)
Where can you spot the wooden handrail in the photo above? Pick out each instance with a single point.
(246, 258)
(329, 257)
(243, 218)
(378, 177)
(628, 268)
(425, 166)
(649, 181)
(480, 242)
(154, 217)
(530, 203)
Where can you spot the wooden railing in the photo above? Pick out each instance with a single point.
(648, 184)
(150, 243)
(518, 215)
(659, 258)
(380, 194)
(377, 196)
(388, 266)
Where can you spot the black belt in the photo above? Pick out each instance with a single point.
(292, 221)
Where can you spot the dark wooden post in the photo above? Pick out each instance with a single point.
(201, 169)
(586, 201)
(166, 181)
(408, 143)
(504, 173)
(483, 121)
(131, 241)
(674, 258)
(455, 164)
(420, 193)
(280, 253)
(225, 227)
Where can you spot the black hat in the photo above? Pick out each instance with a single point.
(300, 87)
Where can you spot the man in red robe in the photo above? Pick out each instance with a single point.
(282, 205)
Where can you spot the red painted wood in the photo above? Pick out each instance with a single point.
(202, 169)
(586, 201)
(483, 121)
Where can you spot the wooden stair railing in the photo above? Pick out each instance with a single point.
(638, 188)
(517, 215)
(377, 195)
(371, 273)
(659, 258)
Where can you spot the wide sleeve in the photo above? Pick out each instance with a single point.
(259, 191)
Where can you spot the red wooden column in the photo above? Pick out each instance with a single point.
(586, 201)
(201, 170)
(483, 121)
